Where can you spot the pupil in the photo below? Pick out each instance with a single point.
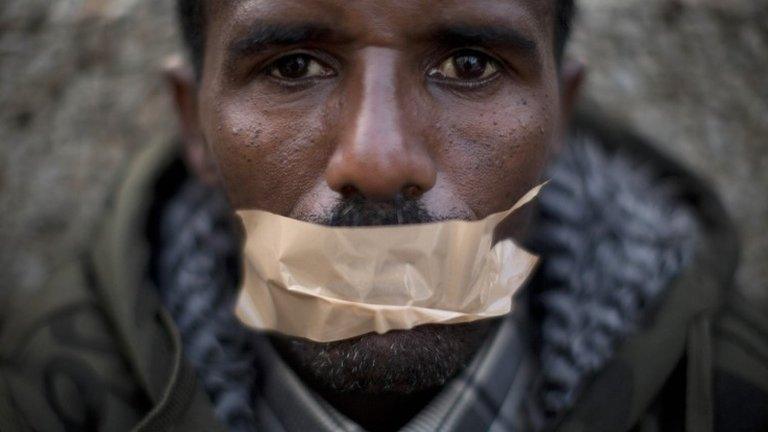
(294, 67)
(469, 66)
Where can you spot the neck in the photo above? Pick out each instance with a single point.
(382, 412)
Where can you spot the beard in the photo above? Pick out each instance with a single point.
(398, 362)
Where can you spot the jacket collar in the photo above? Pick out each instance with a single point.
(119, 264)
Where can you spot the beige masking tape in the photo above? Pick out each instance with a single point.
(331, 283)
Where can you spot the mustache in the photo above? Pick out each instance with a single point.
(360, 212)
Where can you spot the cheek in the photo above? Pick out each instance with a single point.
(267, 158)
(497, 152)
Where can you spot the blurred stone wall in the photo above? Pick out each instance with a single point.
(80, 92)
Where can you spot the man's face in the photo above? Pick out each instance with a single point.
(310, 106)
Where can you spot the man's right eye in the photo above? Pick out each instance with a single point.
(298, 67)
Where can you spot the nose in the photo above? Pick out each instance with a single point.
(379, 154)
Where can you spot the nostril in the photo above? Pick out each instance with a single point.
(349, 191)
(412, 191)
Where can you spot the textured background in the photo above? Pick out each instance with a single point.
(80, 92)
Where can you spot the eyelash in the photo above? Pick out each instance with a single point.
(467, 84)
(265, 72)
(267, 67)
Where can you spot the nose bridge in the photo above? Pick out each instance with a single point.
(380, 115)
(377, 155)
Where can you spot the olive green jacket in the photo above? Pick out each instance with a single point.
(95, 350)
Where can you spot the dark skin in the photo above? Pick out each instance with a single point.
(303, 103)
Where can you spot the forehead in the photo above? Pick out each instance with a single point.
(384, 21)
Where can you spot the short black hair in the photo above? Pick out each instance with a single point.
(564, 13)
(191, 14)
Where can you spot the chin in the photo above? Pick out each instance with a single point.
(398, 362)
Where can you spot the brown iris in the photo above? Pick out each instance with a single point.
(470, 66)
(465, 65)
(297, 67)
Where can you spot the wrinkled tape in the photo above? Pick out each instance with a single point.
(331, 283)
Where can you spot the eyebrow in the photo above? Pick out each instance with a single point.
(265, 35)
(486, 35)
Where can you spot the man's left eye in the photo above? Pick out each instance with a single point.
(298, 67)
(466, 65)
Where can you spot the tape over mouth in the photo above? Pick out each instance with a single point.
(332, 283)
